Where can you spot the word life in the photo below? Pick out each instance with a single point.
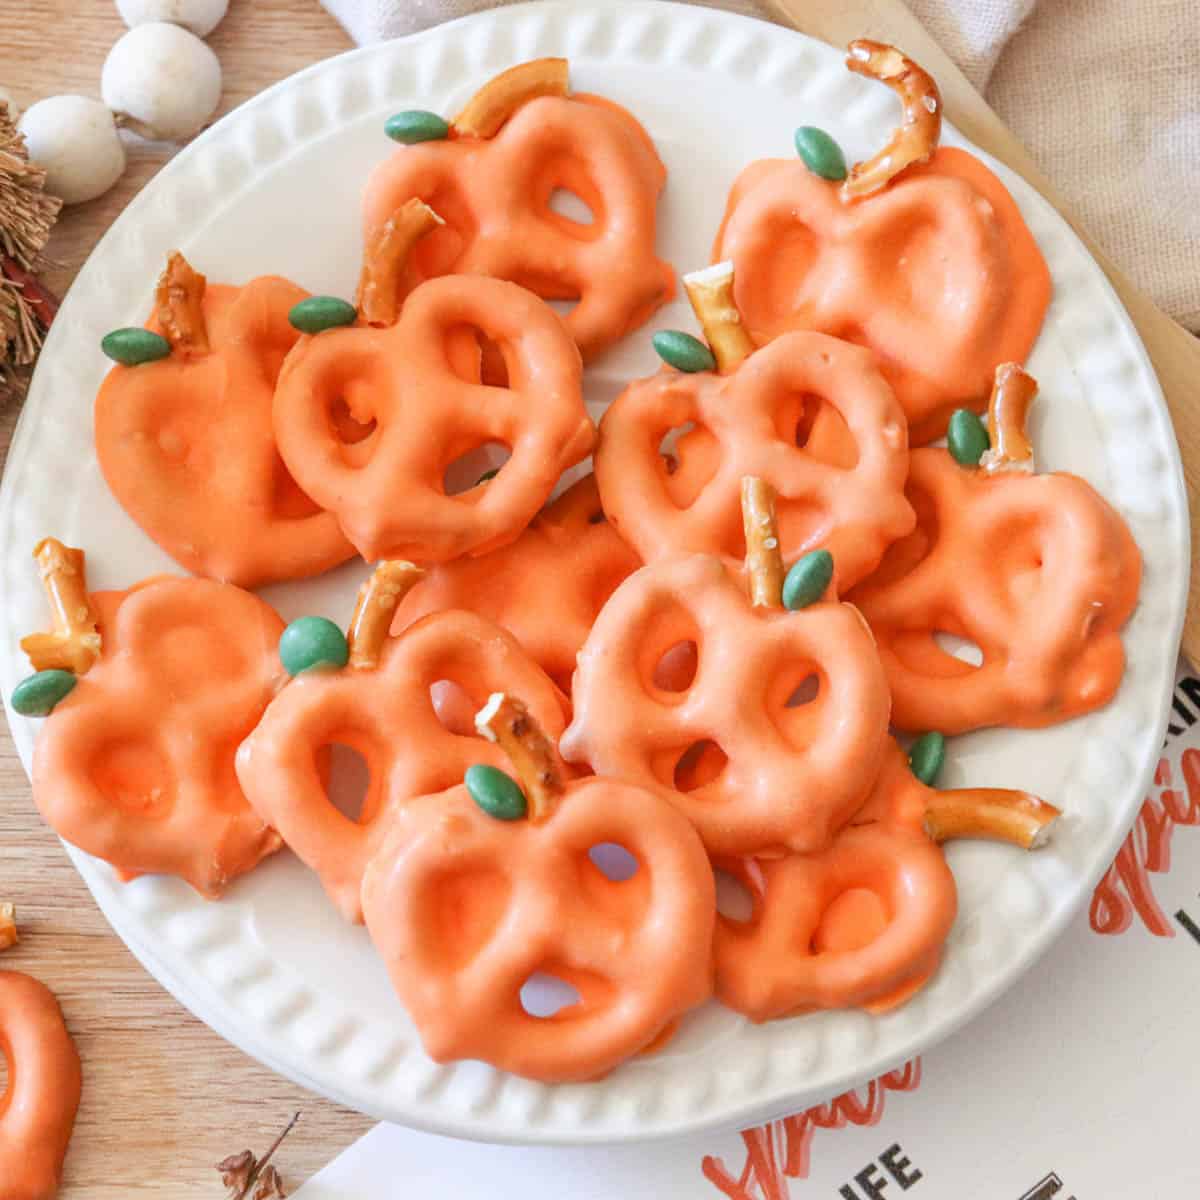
(872, 1182)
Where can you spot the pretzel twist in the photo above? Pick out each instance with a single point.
(378, 598)
(711, 294)
(1008, 413)
(916, 137)
(764, 560)
(179, 306)
(379, 286)
(506, 721)
(74, 645)
(486, 111)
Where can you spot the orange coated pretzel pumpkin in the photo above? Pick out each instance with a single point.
(390, 711)
(37, 1109)
(923, 256)
(369, 418)
(1038, 571)
(809, 414)
(466, 908)
(546, 587)
(521, 139)
(135, 766)
(862, 923)
(186, 442)
(754, 771)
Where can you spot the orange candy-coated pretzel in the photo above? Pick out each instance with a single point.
(37, 1110)
(368, 419)
(389, 715)
(841, 490)
(465, 909)
(1038, 571)
(753, 774)
(135, 766)
(937, 273)
(186, 443)
(511, 150)
(546, 587)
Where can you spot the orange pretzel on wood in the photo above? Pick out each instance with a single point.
(186, 442)
(917, 137)
(45, 1081)
(75, 643)
(465, 909)
(519, 141)
(135, 766)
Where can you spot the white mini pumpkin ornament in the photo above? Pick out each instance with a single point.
(75, 141)
(201, 17)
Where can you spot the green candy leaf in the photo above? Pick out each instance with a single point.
(37, 695)
(927, 757)
(967, 437)
(683, 352)
(416, 125)
(807, 580)
(498, 794)
(318, 313)
(133, 346)
(820, 153)
(312, 642)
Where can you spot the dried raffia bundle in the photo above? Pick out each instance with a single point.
(27, 214)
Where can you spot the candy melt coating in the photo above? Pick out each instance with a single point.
(135, 766)
(1038, 571)
(186, 446)
(464, 909)
(495, 197)
(37, 1111)
(937, 274)
(842, 490)
(860, 924)
(792, 775)
(546, 587)
(410, 718)
(412, 403)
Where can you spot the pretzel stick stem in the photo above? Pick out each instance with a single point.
(74, 644)
(764, 561)
(506, 721)
(377, 600)
(711, 294)
(179, 305)
(380, 293)
(997, 814)
(916, 137)
(486, 111)
(1013, 393)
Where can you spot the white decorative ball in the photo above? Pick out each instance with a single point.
(13, 111)
(200, 16)
(163, 81)
(76, 141)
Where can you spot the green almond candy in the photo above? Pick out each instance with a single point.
(416, 125)
(133, 346)
(487, 475)
(807, 580)
(967, 437)
(820, 153)
(683, 352)
(319, 313)
(310, 643)
(37, 695)
(927, 757)
(498, 794)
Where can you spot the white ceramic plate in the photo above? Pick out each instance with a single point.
(274, 188)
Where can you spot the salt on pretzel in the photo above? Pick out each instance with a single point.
(376, 603)
(74, 645)
(1008, 412)
(916, 137)
(711, 294)
(380, 293)
(506, 721)
(179, 306)
(486, 111)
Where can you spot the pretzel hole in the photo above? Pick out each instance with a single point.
(454, 706)
(613, 861)
(462, 911)
(571, 206)
(805, 692)
(961, 648)
(675, 671)
(351, 426)
(475, 357)
(854, 919)
(462, 473)
(134, 777)
(544, 995)
(816, 426)
(349, 781)
(735, 901)
(688, 458)
(700, 764)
